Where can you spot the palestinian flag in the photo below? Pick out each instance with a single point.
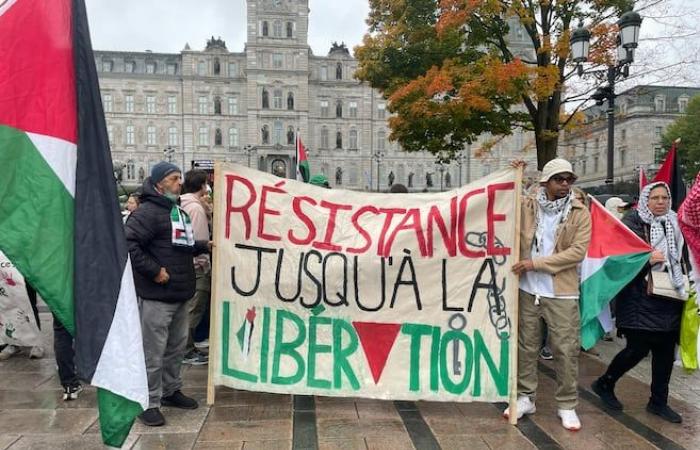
(672, 174)
(303, 172)
(642, 179)
(245, 333)
(59, 218)
(615, 256)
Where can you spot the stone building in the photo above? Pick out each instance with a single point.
(246, 107)
(642, 115)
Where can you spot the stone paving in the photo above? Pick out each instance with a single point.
(33, 416)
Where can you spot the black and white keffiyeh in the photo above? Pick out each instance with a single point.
(664, 233)
(560, 207)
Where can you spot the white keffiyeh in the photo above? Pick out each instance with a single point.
(561, 207)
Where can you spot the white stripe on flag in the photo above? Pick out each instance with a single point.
(590, 266)
(61, 156)
(5, 6)
(122, 365)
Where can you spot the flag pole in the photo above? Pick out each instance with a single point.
(514, 294)
(214, 338)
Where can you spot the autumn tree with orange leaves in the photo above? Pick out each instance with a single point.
(450, 72)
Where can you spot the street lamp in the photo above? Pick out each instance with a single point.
(460, 159)
(627, 41)
(168, 152)
(249, 150)
(378, 156)
(441, 169)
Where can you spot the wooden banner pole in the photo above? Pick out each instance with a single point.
(214, 339)
(514, 295)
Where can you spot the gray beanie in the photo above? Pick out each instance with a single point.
(162, 170)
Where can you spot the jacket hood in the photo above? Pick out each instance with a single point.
(188, 199)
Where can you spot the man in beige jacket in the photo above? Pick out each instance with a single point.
(554, 237)
(192, 201)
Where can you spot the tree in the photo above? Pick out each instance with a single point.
(686, 128)
(451, 71)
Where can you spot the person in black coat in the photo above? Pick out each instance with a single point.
(161, 247)
(650, 323)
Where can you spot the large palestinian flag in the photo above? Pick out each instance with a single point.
(615, 256)
(59, 217)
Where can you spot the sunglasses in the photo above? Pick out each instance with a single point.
(560, 179)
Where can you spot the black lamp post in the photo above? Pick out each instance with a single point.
(249, 149)
(627, 41)
(378, 156)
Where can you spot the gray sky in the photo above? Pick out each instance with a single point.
(165, 26)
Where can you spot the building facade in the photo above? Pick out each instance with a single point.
(642, 115)
(246, 108)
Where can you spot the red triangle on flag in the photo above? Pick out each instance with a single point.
(665, 173)
(377, 340)
(611, 237)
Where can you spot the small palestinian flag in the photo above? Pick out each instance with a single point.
(245, 333)
(615, 256)
(303, 172)
(59, 216)
(671, 173)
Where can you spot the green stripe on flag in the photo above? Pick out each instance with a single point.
(36, 222)
(240, 335)
(304, 170)
(117, 415)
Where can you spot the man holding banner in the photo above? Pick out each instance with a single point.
(554, 235)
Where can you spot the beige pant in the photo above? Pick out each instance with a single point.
(563, 323)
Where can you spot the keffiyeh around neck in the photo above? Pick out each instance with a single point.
(182, 232)
(560, 207)
(662, 234)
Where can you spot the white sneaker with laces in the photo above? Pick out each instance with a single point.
(569, 419)
(524, 406)
(8, 352)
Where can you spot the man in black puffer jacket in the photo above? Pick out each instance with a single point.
(161, 245)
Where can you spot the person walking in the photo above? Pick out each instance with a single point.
(650, 323)
(161, 245)
(554, 237)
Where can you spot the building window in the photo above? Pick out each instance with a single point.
(233, 137)
(277, 99)
(659, 103)
(172, 69)
(323, 73)
(277, 60)
(217, 105)
(290, 135)
(265, 99)
(107, 66)
(623, 157)
(682, 104)
(597, 145)
(339, 109)
(324, 108)
(129, 103)
(585, 148)
(265, 134)
(203, 106)
(130, 170)
(583, 167)
(324, 138)
(339, 140)
(172, 136)
(232, 106)
(381, 110)
(232, 69)
(290, 29)
(381, 140)
(203, 136)
(150, 104)
(657, 132)
(623, 135)
(217, 137)
(265, 29)
(172, 105)
(129, 135)
(151, 135)
(658, 154)
(110, 134)
(278, 132)
(595, 164)
(339, 71)
(202, 68)
(352, 175)
(353, 109)
(150, 67)
(277, 28)
(107, 102)
(353, 139)
(130, 67)
(217, 66)
(290, 101)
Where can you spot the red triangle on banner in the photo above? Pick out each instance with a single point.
(377, 340)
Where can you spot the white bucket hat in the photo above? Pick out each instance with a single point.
(555, 167)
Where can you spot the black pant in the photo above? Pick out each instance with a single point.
(65, 354)
(32, 301)
(662, 345)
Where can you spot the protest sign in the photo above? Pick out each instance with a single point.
(17, 323)
(341, 293)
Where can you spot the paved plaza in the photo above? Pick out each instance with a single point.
(33, 416)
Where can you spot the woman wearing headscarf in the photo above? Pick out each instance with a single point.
(650, 323)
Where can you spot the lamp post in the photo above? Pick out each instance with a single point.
(168, 152)
(249, 150)
(441, 169)
(627, 41)
(460, 161)
(378, 156)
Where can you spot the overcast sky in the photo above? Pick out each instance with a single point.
(166, 25)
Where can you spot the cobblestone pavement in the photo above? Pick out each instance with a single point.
(33, 416)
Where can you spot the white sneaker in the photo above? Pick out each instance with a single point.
(36, 353)
(203, 344)
(8, 352)
(569, 419)
(524, 406)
